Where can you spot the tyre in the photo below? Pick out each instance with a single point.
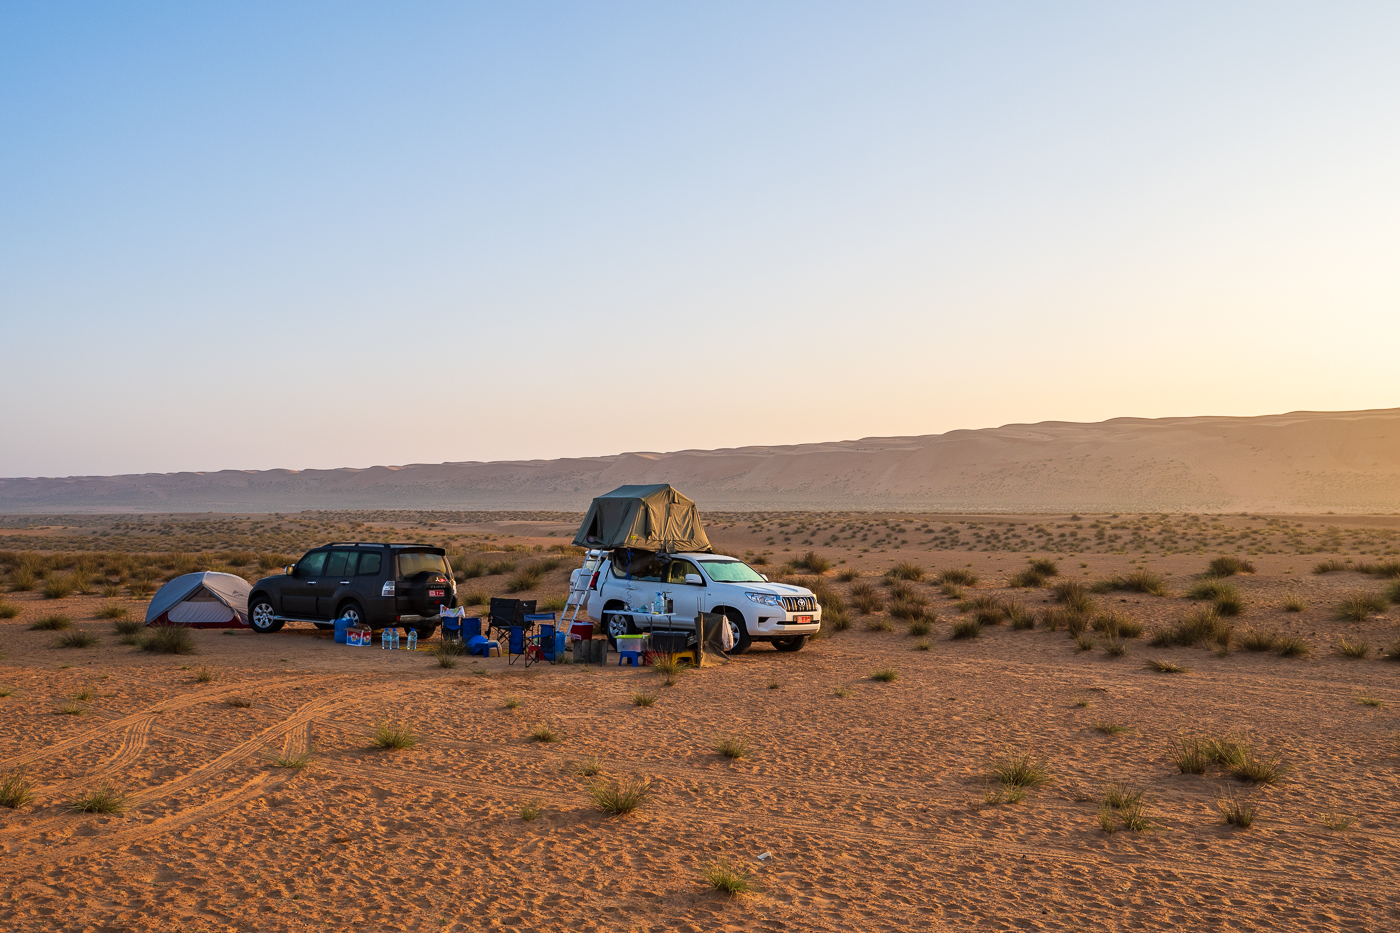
(352, 611)
(261, 615)
(619, 623)
(792, 643)
(739, 630)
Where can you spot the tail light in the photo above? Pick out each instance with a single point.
(387, 589)
(593, 583)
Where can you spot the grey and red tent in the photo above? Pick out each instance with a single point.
(201, 600)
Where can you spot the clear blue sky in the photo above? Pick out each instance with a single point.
(297, 235)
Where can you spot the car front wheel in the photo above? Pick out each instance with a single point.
(261, 616)
(739, 630)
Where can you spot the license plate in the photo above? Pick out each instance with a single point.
(802, 620)
(436, 594)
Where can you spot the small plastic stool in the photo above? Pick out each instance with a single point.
(480, 645)
(686, 655)
(632, 657)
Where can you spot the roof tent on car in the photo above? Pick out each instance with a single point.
(647, 518)
(201, 600)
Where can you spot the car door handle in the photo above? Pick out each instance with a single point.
(344, 582)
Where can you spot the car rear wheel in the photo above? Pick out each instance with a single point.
(351, 611)
(793, 643)
(619, 623)
(262, 617)
(739, 630)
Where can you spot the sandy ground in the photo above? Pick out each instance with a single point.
(867, 811)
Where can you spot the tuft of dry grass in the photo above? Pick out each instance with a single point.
(1353, 648)
(51, 623)
(1237, 811)
(967, 628)
(727, 878)
(905, 571)
(102, 799)
(543, 732)
(167, 639)
(732, 747)
(112, 611)
(620, 797)
(1358, 607)
(530, 810)
(1020, 769)
(1229, 566)
(643, 699)
(1293, 603)
(958, 576)
(1166, 667)
(16, 790)
(294, 761)
(1291, 646)
(76, 640)
(393, 735)
(885, 675)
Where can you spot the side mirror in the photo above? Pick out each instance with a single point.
(290, 570)
(764, 576)
(694, 579)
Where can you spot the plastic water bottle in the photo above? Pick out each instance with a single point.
(411, 642)
(658, 604)
(390, 638)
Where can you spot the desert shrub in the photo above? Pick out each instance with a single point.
(1060, 617)
(527, 579)
(51, 623)
(23, 579)
(812, 562)
(906, 610)
(885, 675)
(905, 571)
(475, 598)
(167, 639)
(1045, 566)
(393, 735)
(1082, 641)
(1116, 625)
(531, 810)
(879, 624)
(8, 610)
(919, 627)
(848, 574)
(1237, 811)
(102, 799)
(543, 732)
(865, 598)
(1201, 627)
(447, 653)
(1359, 606)
(967, 628)
(1114, 647)
(1392, 592)
(1188, 754)
(500, 567)
(1229, 604)
(951, 590)
(112, 611)
(1229, 566)
(1257, 640)
(621, 796)
(1291, 646)
(898, 589)
(958, 576)
(473, 569)
(554, 604)
(58, 586)
(128, 627)
(1073, 594)
(1166, 667)
(835, 620)
(16, 790)
(1353, 648)
(727, 878)
(1389, 568)
(1255, 768)
(1294, 604)
(1211, 588)
(1026, 579)
(732, 747)
(1331, 565)
(827, 597)
(1139, 581)
(643, 699)
(1019, 769)
(76, 640)
(294, 761)
(1019, 616)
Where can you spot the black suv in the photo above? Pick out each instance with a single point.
(379, 585)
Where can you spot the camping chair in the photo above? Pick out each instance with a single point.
(507, 612)
(516, 645)
(470, 628)
(542, 647)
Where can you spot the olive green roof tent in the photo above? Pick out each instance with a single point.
(647, 518)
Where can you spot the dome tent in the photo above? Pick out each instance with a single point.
(647, 518)
(201, 600)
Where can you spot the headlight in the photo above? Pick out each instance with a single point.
(766, 599)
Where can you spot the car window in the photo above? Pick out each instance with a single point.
(341, 563)
(732, 571)
(310, 565)
(412, 563)
(370, 562)
(678, 570)
(640, 566)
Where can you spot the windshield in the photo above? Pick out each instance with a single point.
(412, 563)
(731, 571)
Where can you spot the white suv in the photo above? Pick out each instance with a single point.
(626, 585)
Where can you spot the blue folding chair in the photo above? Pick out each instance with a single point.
(515, 646)
(540, 646)
(471, 628)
